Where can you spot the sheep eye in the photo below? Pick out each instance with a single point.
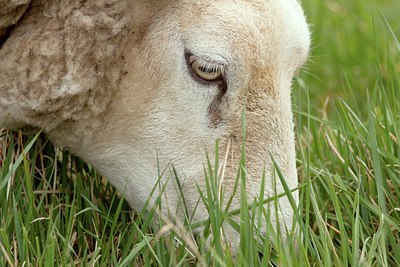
(206, 70)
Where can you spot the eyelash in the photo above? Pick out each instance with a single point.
(205, 71)
(206, 66)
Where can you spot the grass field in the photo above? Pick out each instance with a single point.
(55, 210)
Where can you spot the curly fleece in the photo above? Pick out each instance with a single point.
(59, 59)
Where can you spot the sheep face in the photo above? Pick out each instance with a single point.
(189, 75)
(188, 71)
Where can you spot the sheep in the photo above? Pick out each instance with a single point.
(125, 85)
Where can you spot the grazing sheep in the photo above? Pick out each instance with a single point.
(126, 84)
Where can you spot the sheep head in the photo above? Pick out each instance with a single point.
(144, 85)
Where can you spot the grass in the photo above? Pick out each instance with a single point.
(55, 210)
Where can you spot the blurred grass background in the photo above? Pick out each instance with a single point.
(351, 47)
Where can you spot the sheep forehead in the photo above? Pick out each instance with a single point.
(259, 30)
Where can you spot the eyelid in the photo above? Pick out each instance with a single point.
(199, 62)
(206, 67)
